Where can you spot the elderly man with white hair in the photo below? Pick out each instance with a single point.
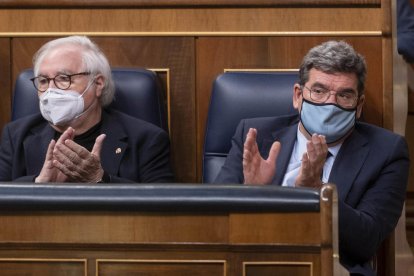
(75, 138)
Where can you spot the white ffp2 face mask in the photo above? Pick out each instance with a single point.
(61, 106)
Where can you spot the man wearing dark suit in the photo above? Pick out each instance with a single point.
(405, 30)
(75, 139)
(327, 143)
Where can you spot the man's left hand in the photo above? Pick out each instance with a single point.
(77, 163)
(313, 161)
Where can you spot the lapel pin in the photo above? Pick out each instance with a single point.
(118, 151)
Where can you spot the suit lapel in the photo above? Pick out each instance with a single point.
(113, 149)
(35, 147)
(114, 146)
(348, 163)
(287, 138)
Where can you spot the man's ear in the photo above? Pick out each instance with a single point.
(360, 105)
(99, 83)
(297, 95)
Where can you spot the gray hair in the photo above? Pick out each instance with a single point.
(94, 61)
(334, 57)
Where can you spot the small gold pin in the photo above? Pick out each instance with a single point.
(118, 151)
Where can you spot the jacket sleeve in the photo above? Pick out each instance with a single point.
(405, 30)
(232, 170)
(154, 165)
(6, 155)
(363, 227)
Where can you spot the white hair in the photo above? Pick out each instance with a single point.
(94, 61)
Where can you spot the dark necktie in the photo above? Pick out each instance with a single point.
(329, 154)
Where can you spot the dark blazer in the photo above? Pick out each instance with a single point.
(133, 150)
(405, 30)
(370, 171)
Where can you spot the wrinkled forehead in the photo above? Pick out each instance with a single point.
(62, 59)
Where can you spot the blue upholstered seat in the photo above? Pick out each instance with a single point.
(239, 95)
(138, 93)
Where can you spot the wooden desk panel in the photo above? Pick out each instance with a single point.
(160, 267)
(44, 267)
(262, 239)
(64, 227)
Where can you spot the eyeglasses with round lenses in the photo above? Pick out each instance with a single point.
(345, 99)
(61, 81)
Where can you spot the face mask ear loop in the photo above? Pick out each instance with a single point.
(87, 87)
(90, 106)
(86, 110)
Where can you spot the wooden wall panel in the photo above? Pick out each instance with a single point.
(218, 53)
(192, 20)
(278, 268)
(176, 54)
(44, 267)
(410, 138)
(161, 259)
(178, 3)
(160, 267)
(410, 123)
(5, 79)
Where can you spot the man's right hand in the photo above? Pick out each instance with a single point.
(256, 170)
(49, 172)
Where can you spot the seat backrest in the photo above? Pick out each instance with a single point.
(239, 95)
(138, 92)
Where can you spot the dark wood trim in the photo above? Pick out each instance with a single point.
(409, 214)
(179, 3)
